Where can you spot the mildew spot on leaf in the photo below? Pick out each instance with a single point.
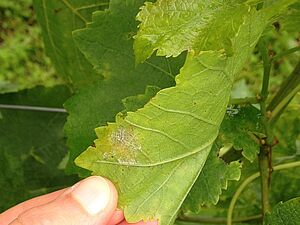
(120, 144)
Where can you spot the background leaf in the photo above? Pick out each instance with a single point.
(212, 179)
(287, 213)
(133, 103)
(291, 20)
(32, 146)
(241, 127)
(58, 18)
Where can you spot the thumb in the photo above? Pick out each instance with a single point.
(91, 201)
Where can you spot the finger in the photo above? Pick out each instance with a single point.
(139, 223)
(12, 213)
(91, 201)
(117, 217)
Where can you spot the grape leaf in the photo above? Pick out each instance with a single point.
(287, 213)
(133, 103)
(214, 175)
(291, 21)
(239, 128)
(107, 43)
(147, 153)
(171, 27)
(173, 133)
(32, 146)
(58, 18)
(124, 150)
(212, 179)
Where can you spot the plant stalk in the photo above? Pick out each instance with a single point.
(287, 52)
(264, 167)
(264, 156)
(285, 94)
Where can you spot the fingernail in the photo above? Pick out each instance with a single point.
(93, 194)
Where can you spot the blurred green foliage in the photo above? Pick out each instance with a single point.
(23, 63)
(32, 146)
(279, 41)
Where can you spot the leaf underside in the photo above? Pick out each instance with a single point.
(108, 45)
(147, 152)
(212, 179)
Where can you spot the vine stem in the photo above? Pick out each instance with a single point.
(288, 52)
(285, 94)
(264, 157)
(248, 181)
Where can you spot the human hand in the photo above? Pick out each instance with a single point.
(92, 201)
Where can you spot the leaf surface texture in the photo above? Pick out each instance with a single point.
(285, 213)
(171, 27)
(108, 45)
(58, 19)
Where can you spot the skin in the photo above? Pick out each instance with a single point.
(63, 208)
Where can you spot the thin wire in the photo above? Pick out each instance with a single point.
(33, 108)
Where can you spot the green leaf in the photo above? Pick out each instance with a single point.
(32, 146)
(148, 153)
(212, 179)
(214, 175)
(291, 21)
(241, 127)
(287, 213)
(171, 27)
(107, 43)
(58, 18)
(133, 103)
(124, 150)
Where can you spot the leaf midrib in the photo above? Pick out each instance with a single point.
(193, 152)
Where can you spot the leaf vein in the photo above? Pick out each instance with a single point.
(160, 187)
(157, 131)
(73, 10)
(195, 151)
(184, 113)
